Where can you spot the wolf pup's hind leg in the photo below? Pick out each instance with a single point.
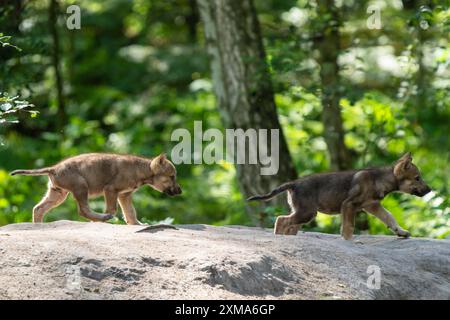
(301, 214)
(80, 192)
(53, 198)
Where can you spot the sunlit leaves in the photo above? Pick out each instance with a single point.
(375, 124)
(10, 106)
(4, 42)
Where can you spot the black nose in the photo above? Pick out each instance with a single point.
(423, 192)
(173, 191)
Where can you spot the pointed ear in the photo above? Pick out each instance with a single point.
(162, 157)
(157, 162)
(406, 157)
(403, 164)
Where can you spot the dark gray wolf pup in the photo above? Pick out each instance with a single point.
(347, 193)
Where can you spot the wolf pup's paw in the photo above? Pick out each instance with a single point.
(402, 233)
(292, 230)
(106, 216)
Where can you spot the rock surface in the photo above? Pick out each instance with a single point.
(75, 260)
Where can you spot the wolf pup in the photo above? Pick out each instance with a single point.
(114, 176)
(347, 192)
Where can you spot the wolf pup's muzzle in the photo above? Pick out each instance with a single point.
(173, 191)
(422, 192)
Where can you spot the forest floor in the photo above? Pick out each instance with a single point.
(76, 260)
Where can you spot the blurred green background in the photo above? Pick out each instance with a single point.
(137, 70)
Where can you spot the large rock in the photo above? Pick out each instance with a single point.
(74, 260)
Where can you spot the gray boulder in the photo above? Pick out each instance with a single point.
(75, 260)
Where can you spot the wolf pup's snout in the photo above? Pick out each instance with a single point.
(423, 192)
(173, 191)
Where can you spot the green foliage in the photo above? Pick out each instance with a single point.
(4, 42)
(10, 106)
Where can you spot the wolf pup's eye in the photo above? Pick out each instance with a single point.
(417, 178)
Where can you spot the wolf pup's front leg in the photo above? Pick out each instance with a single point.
(129, 213)
(386, 217)
(349, 209)
(348, 221)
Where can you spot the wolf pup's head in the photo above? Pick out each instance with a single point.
(408, 177)
(164, 176)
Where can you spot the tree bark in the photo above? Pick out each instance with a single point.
(11, 15)
(328, 44)
(53, 20)
(422, 76)
(242, 84)
(192, 21)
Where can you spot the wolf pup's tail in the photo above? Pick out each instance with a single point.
(273, 193)
(34, 172)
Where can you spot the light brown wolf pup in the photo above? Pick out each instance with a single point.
(114, 176)
(347, 193)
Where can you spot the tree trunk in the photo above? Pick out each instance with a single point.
(192, 21)
(422, 76)
(242, 84)
(53, 20)
(327, 43)
(11, 15)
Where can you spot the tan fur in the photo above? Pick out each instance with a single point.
(114, 176)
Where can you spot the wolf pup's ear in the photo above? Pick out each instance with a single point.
(157, 162)
(403, 163)
(406, 157)
(161, 158)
